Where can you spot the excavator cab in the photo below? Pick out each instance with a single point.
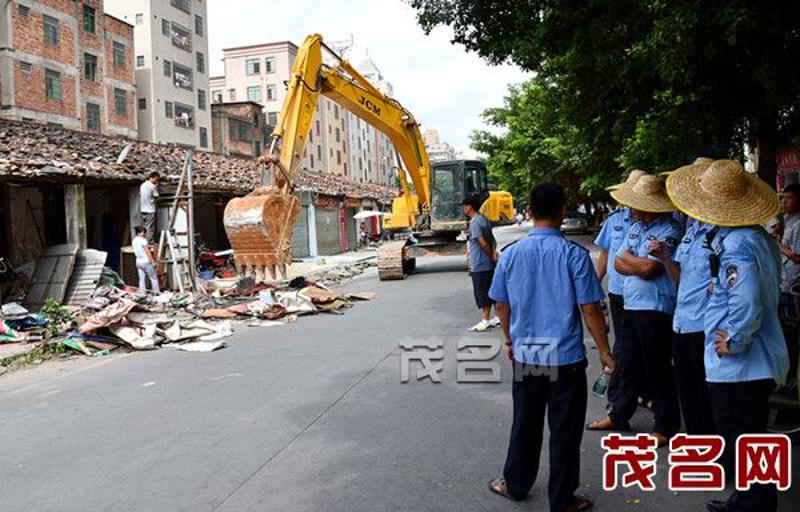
(451, 183)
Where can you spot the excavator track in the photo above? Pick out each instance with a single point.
(393, 262)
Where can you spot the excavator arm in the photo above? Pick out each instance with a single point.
(260, 225)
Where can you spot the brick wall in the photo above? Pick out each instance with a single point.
(30, 92)
(28, 33)
(128, 120)
(118, 30)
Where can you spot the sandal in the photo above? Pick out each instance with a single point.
(580, 504)
(604, 425)
(499, 487)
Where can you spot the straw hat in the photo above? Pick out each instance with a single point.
(633, 177)
(698, 161)
(722, 193)
(646, 195)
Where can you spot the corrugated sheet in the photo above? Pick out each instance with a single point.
(89, 265)
(53, 270)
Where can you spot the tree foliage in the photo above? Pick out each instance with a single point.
(634, 83)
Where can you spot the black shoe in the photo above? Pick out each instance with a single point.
(717, 506)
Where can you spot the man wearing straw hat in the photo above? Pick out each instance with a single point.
(611, 236)
(649, 296)
(745, 352)
(690, 271)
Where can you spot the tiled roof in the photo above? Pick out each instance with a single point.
(37, 151)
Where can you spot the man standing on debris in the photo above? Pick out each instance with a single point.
(482, 260)
(145, 262)
(148, 193)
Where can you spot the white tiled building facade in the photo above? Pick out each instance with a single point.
(171, 61)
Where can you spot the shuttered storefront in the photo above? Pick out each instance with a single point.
(328, 231)
(300, 235)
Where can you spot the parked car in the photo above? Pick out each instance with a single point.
(574, 223)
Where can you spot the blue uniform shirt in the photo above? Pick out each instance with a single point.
(656, 294)
(744, 303)
(692, 255)
(611, 236)
(480, 227)
(544, 278)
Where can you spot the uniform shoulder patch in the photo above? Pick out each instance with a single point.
(731, 275)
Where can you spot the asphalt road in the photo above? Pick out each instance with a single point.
(307, 417)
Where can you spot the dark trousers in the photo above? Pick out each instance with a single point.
(743, 408)
(564, 398)
(688, 353)
(617, 307)
(646, 359)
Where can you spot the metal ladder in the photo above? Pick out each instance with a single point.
(170, 251)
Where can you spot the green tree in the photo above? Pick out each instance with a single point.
(652, 82)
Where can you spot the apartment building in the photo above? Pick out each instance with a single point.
(67, 63)
(259, 73)
(372, 154)
(438, 151)
(171, 60)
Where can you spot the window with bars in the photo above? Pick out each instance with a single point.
(140, 61)
(52, 28)
(238, 129)
(119, 55)
(201, 99)
(23, 10)
(52, 84)
(90, 66)
(182, 5)
(120, 102)
(181, 37)
(89, 19)
(182, 76)
(25, 67)
(199, 25)
(93, 117)
(203, 137)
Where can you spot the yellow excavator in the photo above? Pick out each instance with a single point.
(259, 225)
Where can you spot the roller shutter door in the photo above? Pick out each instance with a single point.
(328, 231)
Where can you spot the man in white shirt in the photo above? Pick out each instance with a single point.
(145, 262)
(148, 194)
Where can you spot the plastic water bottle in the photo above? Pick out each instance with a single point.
(601, 384)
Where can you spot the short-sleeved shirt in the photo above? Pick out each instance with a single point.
(654, 294)
(480, 227)
(545, 278)
(791, 239)
(692, 255)
(744, 304)
(147, 197)
(611, 236)
(140, 250)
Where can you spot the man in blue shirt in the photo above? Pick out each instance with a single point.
(649, 296)
(745, 352)
(482, 260)
(542, 286)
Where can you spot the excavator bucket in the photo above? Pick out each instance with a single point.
(259, 227)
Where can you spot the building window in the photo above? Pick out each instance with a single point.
(165, 27)
(198, 25)
(93, 117)
(120, 102)
(257, 148)
(140, 61)
(181, 37)
(252, 66)
(319, 152)
(312, 160)
(338, 135)
(23, 10)
(168, 109)
(270, 92)
(25, 67)
(52, 28)
(336, 111)
(238, 129)
(201, 63)
(203, 137)
(318, 132)
(142, 103)
(338, 157)
(184, 116)
(52, 84)
(89, 19)
(201, 99)
(139, 18)
(269, 64)
(183, 5)
(216, 96)
(272, 118)
(89, 66)
(254, 93)
(182, 77)
(119, 55)
(231, 94)
(167, 68)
